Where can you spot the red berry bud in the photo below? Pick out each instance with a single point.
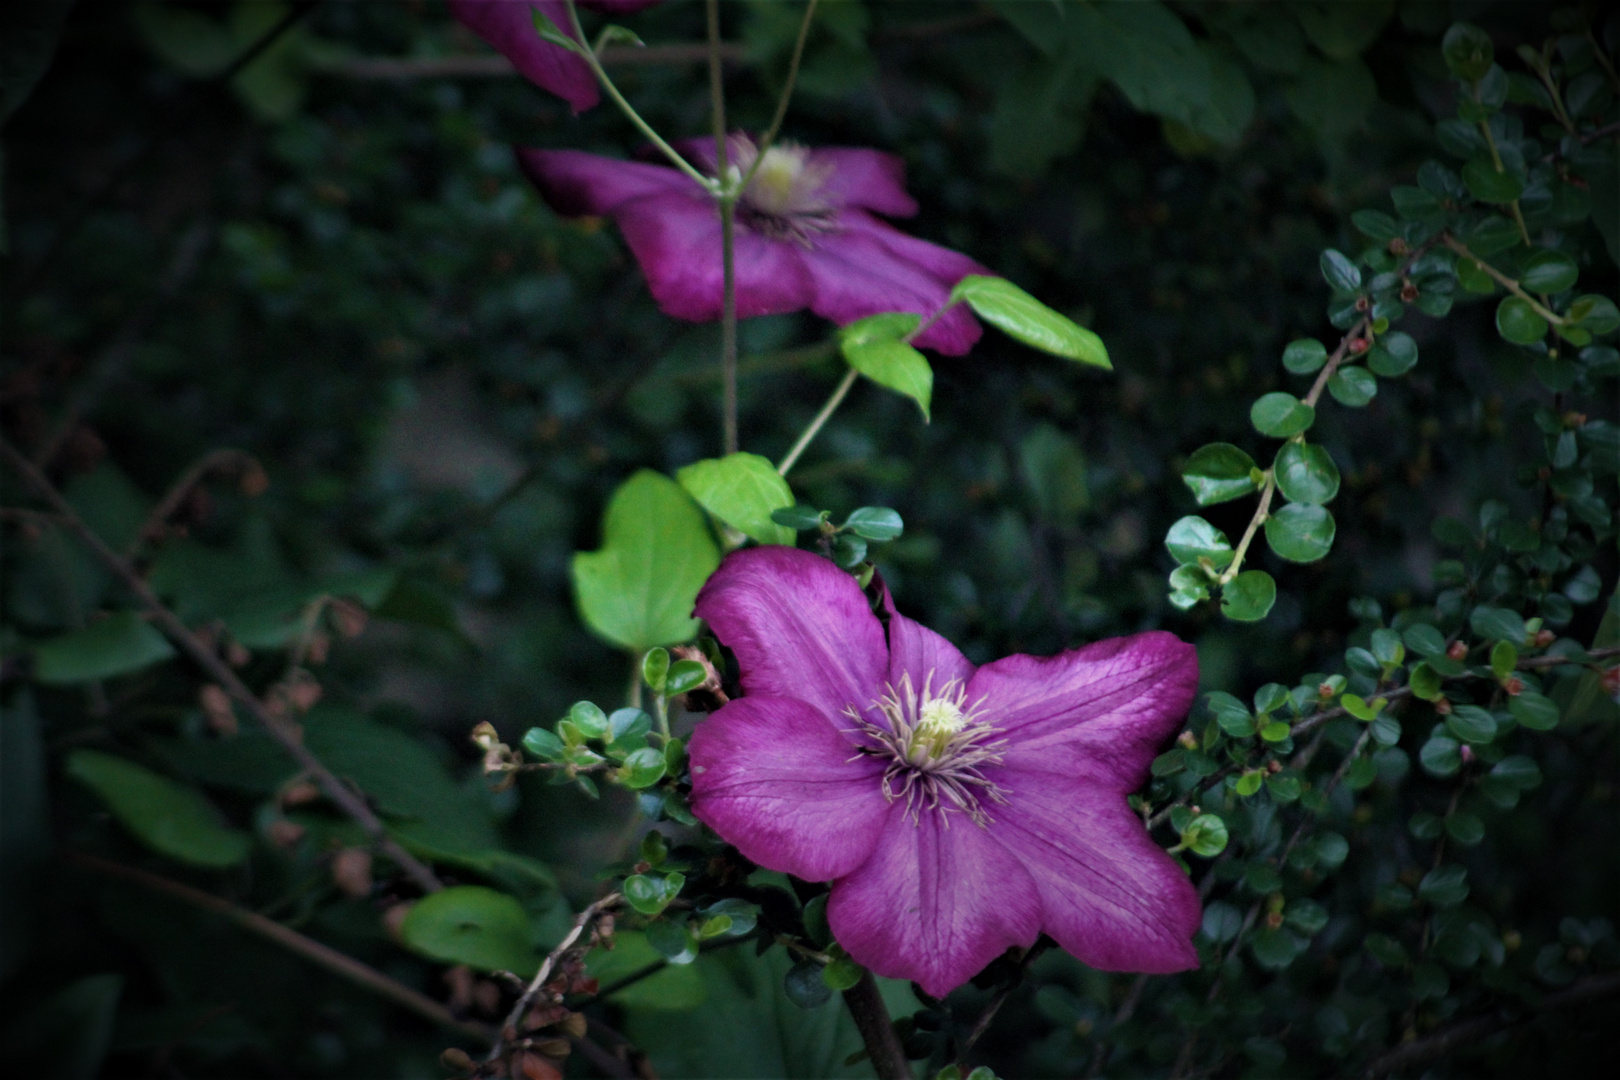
(1442, 706)
(1359, 345)
(1514, 687)
(1409, 292)
(1457, 650)
(1362, 303)
(1397, 246)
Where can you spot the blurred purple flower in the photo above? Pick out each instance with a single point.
(958, 811)
(509, 26)
(806, 235)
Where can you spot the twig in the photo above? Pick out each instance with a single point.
(1262, 511)
(1455, 1035)
(728, 234)
(514, 1019)
(883, 1048)
(1127, 1009)
(215, 461)
(494, 65)
(786, 97)
(310, 949)
(982, 1024)
(1502, 279)
(346, 800)
(109, 365)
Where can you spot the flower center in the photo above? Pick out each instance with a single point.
(783, 199)
(935, 744)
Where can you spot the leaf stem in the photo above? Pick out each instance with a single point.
(1496, 159)
(871, 1017)
(708, 184)
(1261, 512)
(782, 103)
(314, 951)
(816, 424)
(1502, 279)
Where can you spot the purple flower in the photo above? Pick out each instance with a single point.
(509, 26)
(806, 235)
(957, 811)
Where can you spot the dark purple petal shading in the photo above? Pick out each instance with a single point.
(773, 776)
(676, 239)
(800, 627)
(1109, 894)
(1098, 714)
(869, 179)
(869, 267)
(917, 651)
(575, 183)
(934, 904)
(508, 25)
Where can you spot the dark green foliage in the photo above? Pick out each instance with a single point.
(1351, 262)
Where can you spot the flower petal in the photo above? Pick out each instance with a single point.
(917, 651)
(509, 26)
(934, 904)
(869, 267)
(773, 777)
(574, 182)
(1099, 713)
(1109, 894)
(869, 179)
(676, 239)
(800, 627)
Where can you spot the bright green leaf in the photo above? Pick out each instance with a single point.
(1020, 315)
(742, 490)
(473, 925)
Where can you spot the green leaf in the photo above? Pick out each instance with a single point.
(804, 986)
(1275, 949)
(1189, 585)
(638, 590)
(473, 925)
(588, 717)
(684, 675)
(742, 490)
(1249, 596)
(875, 523)
(1440, 756)
(170, 818)
(800, 518)
(1444, 886)
(1471, 724)
(1534, 711)
(842, 974)
(1549, 272)
(1504, 657)
(1353, 386)
(1498, 624)
(1425, 682)
(543, 744)
(549, 31)
(874, 347)
(1393, 355)
(1218, 472)
(1487, 184)
(1518, 322)
(117, 645)
(643, 768)
(1304, 356)
(1424, 639)
(1192, 538)
(1306, 473)
(1465, 828)
(1280, 415)
(1386, 950)
(1205, 835)
(1339, 271)
(651, 893)
(1055, 470)
(1595, 314)
(1376, 225)
(1468, 51)
(1300, 532)
(673, 941)
(1020, 315)
(1518, 771)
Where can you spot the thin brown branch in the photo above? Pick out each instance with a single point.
(982, 1024)
(324, 955)
(883, 1049)
(203, 655)
(1503, 280)
(494, 65)
(1439, 1043)
(512, 1027)
(215, 461)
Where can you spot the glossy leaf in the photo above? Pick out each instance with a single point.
(1549, 272)
(1304, 356)
(1339, 271)
(1518, 322)
(1300, 532)
(1192, 539)
(742, 490)
(638, 590)
(1021, 316)
(1306, 473)
(473, 925)
(1217, 473)
(1280, 415)
(1353, 386)
(1249, 596)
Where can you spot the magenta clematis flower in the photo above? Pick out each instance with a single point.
(509, 26)
(806, 233)
(957, 811)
